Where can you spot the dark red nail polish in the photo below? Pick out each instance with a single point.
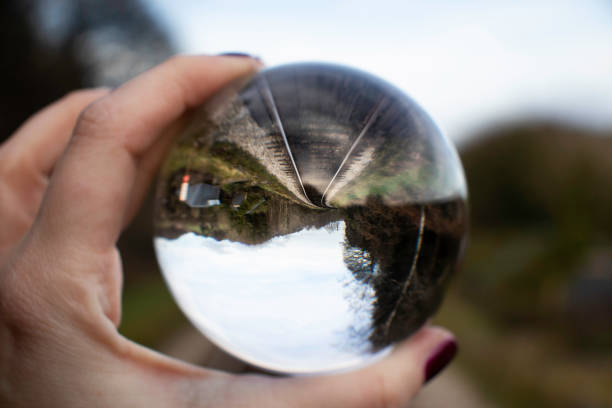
(235, 54)
(440, 359)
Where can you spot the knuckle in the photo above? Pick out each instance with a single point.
(94, 117)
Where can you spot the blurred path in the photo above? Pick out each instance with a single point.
(452, 388)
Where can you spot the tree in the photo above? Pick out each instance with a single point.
(53, 47)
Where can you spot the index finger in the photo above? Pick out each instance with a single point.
(36, 145)
(91, 187)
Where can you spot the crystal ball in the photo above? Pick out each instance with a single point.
(309, 218)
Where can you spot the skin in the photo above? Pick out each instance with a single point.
(71, 178)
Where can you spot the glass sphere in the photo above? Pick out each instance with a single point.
(309, 218)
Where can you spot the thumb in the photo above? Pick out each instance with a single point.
(391, 382)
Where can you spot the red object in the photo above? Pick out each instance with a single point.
(184, 188)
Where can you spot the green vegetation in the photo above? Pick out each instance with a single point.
(149, 311)
(540, 205)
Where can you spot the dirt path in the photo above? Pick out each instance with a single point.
(452, 388)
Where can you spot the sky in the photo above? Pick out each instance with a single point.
(468, 63)
(289, 304)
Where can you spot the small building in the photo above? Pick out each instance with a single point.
(201, 195)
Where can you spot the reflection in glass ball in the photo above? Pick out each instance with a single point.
(309, 218)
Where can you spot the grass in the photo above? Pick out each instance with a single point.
(524, 367)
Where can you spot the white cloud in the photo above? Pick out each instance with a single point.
(283, 304)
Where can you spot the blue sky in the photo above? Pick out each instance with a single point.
(468, 63)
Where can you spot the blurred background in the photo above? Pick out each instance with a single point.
(524, 89)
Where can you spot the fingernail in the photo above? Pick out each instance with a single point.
(239, 54)
(243, 55)
(440, 359)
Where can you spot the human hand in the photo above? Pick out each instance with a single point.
(64, 202)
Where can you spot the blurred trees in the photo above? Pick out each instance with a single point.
(408, 267)
(53, 47)
(536, 287)
(541, 199)
(541, 174)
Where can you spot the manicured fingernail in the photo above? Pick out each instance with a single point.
(440, 359)
(236, 54)
(243, 55)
